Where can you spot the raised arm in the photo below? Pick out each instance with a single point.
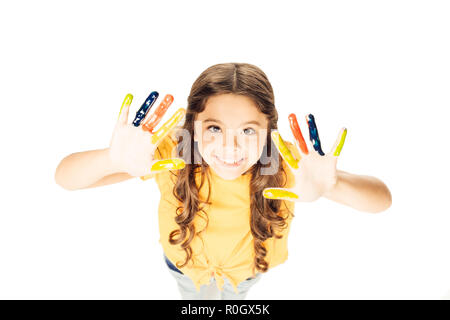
(88, 169)
(316, 174)
(131, 151)
(364, 193)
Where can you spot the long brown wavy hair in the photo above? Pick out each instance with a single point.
(265, 218)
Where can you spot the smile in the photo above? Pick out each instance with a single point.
(229, 163)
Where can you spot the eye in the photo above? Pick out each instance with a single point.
(214, 129)
(249, 131)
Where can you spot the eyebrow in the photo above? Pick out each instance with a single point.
(218, 121)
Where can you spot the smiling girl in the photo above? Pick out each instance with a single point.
(227, 194)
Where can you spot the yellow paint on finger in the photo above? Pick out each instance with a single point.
(168, 164)
(169, 125)
(279, 194)
(284, 150)
(341, 143)
(126, 102)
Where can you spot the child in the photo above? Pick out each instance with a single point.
(227, 196)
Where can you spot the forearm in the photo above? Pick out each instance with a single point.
(82, 169)
(362, 193)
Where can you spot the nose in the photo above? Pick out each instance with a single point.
(230, 141)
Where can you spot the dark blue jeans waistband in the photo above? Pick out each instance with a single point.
(171, 265)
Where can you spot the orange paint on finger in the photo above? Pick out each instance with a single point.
(157, 115)
(295, 128)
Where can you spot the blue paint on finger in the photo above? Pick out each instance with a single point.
(145, 108)
(314, 134)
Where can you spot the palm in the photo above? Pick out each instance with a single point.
(314, 172)
(315, 176)
(133, 146)
(131, 149)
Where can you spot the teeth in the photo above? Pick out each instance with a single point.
(229, 161)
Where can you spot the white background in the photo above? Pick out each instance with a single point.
(380, 68)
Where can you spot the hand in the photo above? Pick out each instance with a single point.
(315, 172)
(133, 146)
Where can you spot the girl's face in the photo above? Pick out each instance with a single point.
(231, 133)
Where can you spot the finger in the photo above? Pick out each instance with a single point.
(336, 150)
(314, 134)
(144, 109)
(165, 165)
(168, 164)
(156, 116)
(123, 113)
(168, 126)
(283, 150)
(280, 194)
(295, 128)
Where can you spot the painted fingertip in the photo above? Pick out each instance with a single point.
(169, 125)
(128, 99)
(310, 119)
(341, 143)
(275, 135)
(126, 102)
(314, 134)
(145, 108)
(168, 99)
(168, 164)
(295, 128)
(279, 194)
(157, 115)
(284, 150)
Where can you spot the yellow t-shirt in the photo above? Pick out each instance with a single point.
(225, 247)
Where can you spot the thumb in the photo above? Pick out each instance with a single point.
(280, 194)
